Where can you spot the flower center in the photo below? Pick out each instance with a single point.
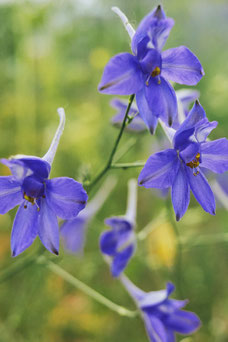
(156, 72)
(33, 188)
(194, 164)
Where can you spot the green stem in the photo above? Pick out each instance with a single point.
(109, 162)
(127, 165)
(86, 289)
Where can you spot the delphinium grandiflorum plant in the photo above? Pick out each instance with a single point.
(145, 75)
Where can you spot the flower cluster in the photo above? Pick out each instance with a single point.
(145, 74)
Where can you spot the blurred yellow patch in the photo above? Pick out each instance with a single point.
(99, 57)
(75, 310)
(161, 244)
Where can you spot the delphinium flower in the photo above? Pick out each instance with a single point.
(180, 167)
(73, 232)
(136, 123)
(41, 199)
(148, 70)
(163, 317)
(119, 243)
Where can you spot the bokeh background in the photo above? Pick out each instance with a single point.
(52, 54)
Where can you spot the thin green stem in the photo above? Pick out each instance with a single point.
(86, 289)
(127, 165)
(112, 154)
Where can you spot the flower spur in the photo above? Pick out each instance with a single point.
(41, 199)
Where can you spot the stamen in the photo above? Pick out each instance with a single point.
(156, 72)
(29, 198)
(194, 164)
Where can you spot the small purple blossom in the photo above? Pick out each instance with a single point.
(146, 73)
(119, 243)
(180, 167)
(73, 232)
(136, 124)
(163, 317)
(41, 199)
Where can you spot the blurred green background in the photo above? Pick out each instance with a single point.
(52, 54)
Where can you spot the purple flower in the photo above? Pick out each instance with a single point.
(163, 317)
(136, 124)
(119, 243)
(73, 232)
(41, 199)
(147, 71)
(180, 167)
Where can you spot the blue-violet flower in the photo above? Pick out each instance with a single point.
(163, 317)
(41, 199)
(146, 73)
(180, 167)
(119, 243)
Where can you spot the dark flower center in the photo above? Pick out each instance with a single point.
(194, 164)
(33, 188)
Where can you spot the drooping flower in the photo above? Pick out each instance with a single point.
(163, 317)
(136, 124)
(119, 243)
(73, 232)
(146, 73)
(180, 167)
(41, 199)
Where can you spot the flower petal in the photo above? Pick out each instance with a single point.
(215, 155)
(24, 228)
(183, 322)
(122, 76)
(121, 260)
(108, 243)
(204, 130)
(48, 229)
(23, 166)
(157, 26)
(10, 194)
(65, 196)
(73, 233)
(145, 113)
(155, 328)
(193, 119)
(122, 228)
(180, 193)
(161, 99)
(180, 65)
(202, 191)
(160, 170)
